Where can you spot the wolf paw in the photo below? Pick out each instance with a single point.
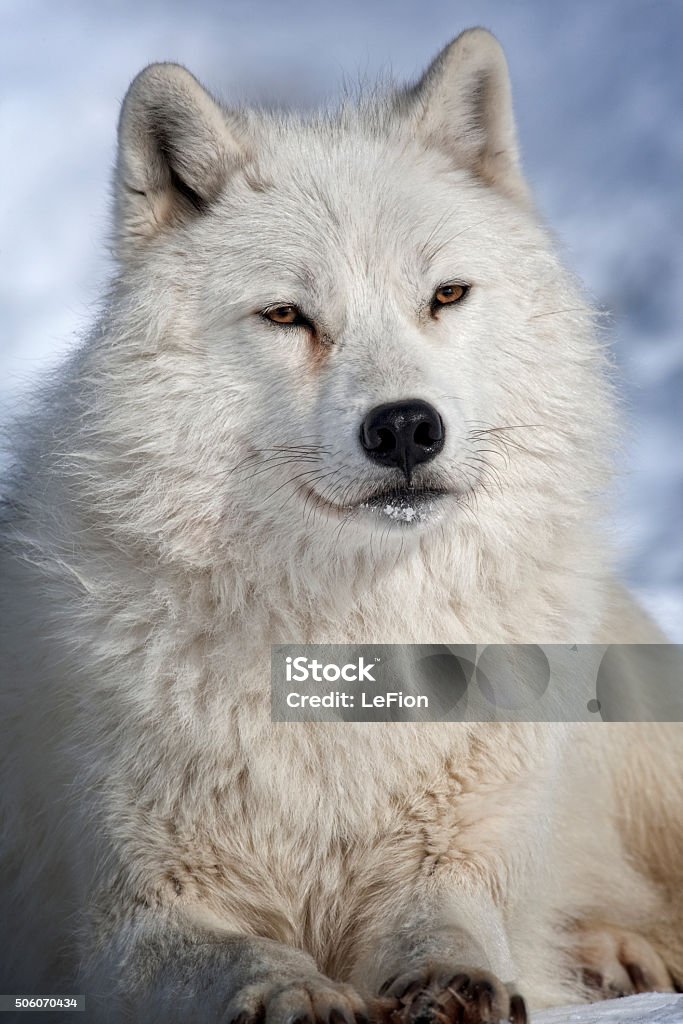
(306, 1000)
(444, 994)
(616, 962)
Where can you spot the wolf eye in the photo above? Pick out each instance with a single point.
(290, 316)
(448, 295)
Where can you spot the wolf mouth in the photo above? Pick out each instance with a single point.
(398, 504)
(405, 505)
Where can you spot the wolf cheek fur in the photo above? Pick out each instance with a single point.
(192, 488)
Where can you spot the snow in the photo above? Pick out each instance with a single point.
(402, 510)
(597, 90)
(650, 1008)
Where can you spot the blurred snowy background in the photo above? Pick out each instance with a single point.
(599, 97)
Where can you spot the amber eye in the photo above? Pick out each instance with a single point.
(448, 294)
(288, 315)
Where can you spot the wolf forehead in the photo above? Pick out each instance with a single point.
(181, 153)
(323, 197)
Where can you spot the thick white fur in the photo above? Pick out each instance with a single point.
(157, 541)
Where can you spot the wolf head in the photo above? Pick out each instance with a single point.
(343, 327)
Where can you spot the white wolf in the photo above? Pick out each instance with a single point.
(342, 390)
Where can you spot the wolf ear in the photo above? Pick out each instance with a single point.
(464, 107)
(176, 148)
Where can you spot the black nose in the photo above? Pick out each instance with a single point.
(403, 434)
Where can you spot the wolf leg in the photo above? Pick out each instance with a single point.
(165, 975)
(439, 964)
(616, 962)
